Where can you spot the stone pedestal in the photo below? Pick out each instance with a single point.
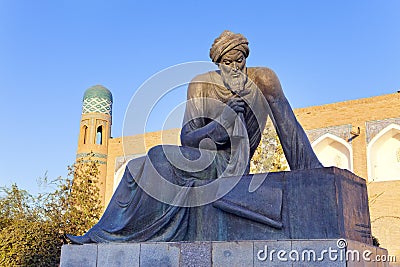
(307, 211)
(323, 252)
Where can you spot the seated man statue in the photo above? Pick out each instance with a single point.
(226, 112)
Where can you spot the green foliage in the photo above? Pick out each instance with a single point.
(79, 198)
(29, 243)
(32, 228)
(269, 156)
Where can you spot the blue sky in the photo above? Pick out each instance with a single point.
(52, 51)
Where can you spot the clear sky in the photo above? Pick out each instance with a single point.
(52, 51)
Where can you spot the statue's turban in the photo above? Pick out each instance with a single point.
(226, 42)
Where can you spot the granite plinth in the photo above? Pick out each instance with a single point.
(303, 209)
(322, 252)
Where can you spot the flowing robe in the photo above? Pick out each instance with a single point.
(153, 199)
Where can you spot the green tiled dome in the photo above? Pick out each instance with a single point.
(97, 99)
(98, 91)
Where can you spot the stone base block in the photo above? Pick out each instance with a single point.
(317, 252)
(325, 203)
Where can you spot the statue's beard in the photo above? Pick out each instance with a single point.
(234, 81)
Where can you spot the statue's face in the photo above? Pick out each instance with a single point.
(234, 61)
(232, 66)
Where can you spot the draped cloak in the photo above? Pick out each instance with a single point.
(153, 200)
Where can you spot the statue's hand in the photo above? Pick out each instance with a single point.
(232, 109)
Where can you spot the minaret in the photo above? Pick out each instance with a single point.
(95, 129)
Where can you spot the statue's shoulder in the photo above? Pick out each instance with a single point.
(266, 80)
(200, 84)
(261, 74)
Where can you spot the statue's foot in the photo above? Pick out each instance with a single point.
(80, 240)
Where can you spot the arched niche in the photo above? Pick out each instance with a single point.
(383, 155)
(99, 135)
(84, 134)
(333, 151)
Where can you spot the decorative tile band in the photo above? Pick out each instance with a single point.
(97, 105)
(99, 161)
(374, 127)
(342, 131)
(96, 155)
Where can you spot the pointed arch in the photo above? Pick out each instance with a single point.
(84, 134)
(333, 151)
(383, 155)
(99, 135)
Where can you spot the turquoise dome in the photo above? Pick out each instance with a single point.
(97, 99)
(98, 91)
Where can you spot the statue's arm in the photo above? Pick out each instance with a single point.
(295, 143)
(196, 127)
(212, 130)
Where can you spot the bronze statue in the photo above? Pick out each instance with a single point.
(225, 114)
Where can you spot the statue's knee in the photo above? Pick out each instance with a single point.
(156, 151)
(134, 165)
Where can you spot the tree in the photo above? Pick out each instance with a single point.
(79, 198)
(269, 156)
(33, 227)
